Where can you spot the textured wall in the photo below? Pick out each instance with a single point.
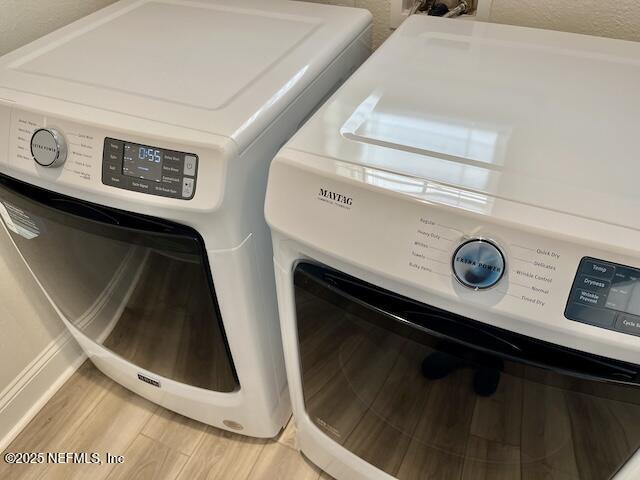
(380, 10)
(616, 19)
(22, 21)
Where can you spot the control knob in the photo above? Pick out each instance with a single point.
(48, 147)
(478, 264)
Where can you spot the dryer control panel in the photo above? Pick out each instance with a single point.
(149, 169)
(606, 295)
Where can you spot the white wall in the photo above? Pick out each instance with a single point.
(22, 21)
(36, 352)
(616, 18)
(27, 321)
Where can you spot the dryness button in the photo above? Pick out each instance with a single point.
(190, 165)
(478, 264)
(594, 284)
(187, 187)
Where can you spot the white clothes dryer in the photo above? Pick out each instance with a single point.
(457, 250)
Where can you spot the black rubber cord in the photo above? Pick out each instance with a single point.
(438, 10)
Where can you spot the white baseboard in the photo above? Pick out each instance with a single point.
(21, 400)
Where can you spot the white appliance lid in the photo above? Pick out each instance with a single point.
(542, 118)
(225, 67)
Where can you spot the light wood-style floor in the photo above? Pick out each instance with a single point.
(91, 413)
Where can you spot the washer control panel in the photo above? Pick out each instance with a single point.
(606, 295)
(478, 264)
(148, 169)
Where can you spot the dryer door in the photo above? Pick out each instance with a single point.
(137, 285)
(422, 393)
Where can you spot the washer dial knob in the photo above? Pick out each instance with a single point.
(478, 264)
(48, 147)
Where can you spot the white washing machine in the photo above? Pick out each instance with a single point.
(457, 250)
(135, 146)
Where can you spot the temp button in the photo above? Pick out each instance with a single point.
(478, 264)
(598, 269)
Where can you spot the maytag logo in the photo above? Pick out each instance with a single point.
(148, 380)
(334, 198)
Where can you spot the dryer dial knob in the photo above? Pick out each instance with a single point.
(478, 264)
(48, 147)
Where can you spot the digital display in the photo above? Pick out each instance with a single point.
(142, 161)
(624, 295)
(148, 169)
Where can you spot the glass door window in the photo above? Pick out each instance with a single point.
(422, 393)
(137, 285)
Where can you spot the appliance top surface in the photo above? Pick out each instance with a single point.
(542, 118)
(225, 67)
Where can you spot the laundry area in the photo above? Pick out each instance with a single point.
(355, 239)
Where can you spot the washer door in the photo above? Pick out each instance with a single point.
(422, 393)
(137, 285)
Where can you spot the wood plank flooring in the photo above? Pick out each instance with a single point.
(90, 413)
(412, 428)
